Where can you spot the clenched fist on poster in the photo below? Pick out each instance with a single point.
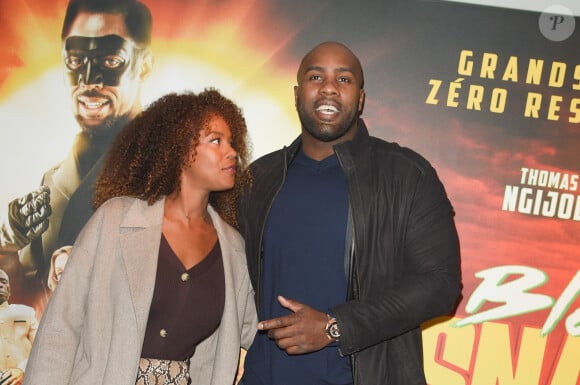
(28, 215)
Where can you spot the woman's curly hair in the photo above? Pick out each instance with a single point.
(146, 159)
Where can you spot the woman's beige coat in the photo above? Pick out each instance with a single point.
(93, 327)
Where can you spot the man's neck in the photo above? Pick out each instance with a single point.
(318, 149)
(89, 148)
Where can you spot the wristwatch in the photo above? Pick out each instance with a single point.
(332, 330)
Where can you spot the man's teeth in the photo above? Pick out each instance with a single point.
(327, 108)
(93, 105)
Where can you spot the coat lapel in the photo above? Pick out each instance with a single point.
(140, 238)
(80, 205)
(204, 366)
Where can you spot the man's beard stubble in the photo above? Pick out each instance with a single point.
(107, 130)
(323, 132)
(94, 141)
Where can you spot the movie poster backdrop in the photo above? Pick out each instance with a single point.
(491, 96)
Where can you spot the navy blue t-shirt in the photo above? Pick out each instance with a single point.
(303, 260)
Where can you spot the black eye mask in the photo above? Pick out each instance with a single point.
(98, 60)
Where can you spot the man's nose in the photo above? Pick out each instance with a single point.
(329, 87)
(91, 76)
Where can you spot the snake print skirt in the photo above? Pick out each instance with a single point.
(162, 372)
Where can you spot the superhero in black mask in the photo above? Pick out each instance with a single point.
(94, 60)
(104, 74)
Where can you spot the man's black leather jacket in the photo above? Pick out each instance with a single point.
(403, 267)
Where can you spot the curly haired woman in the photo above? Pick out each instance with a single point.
(156, 290)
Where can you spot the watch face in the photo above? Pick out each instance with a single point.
(333, 330)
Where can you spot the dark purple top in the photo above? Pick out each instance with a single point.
(187, 305)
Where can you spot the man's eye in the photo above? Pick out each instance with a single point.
(216, 140)
(343, 79)
(315, 77)
(74, 62)
(113, 62)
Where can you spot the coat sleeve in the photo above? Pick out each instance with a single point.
(426, 280)
(7, 242)
(250, 321)
(56, 345)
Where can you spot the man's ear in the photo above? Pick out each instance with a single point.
(146, 65)
(295, 96)
(361, 101)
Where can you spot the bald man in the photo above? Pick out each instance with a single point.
(350, 240)
(18, 325)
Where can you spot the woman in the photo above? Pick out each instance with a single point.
(157, 283)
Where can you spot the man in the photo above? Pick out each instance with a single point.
(18, 327)
(350, 240)
(106, 57)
